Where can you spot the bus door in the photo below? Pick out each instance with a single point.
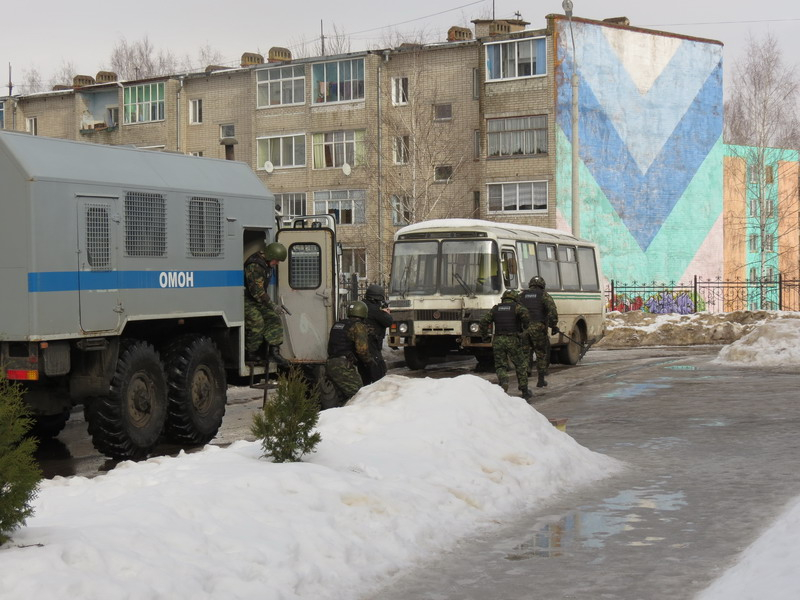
(308, 287)
(508, 260)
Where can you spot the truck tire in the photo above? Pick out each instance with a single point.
(196, 388)
(415, 359)
(127, 424)
(46, 427)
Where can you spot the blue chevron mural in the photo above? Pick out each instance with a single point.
(650, 122)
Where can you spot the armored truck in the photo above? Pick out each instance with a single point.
(121, 286)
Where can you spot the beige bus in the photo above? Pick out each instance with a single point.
(446, 274)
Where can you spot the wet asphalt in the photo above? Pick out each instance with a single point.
(711, 456)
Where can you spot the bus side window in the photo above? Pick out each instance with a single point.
(527, 260)
(587, 266)
(548, 266)
(510, 276)
(568, 264)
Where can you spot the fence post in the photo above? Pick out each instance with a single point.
(694, 301)
(613, 300)
(780, 291)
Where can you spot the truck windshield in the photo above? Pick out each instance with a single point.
(460, 267)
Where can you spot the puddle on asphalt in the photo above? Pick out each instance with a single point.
(632, 390)
(590, 527)
(682, 367)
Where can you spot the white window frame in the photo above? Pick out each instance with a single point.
(275, 85)
(227, 130)
(338, 81)
(399, 91)
(196, 111)
(505, 136)
(293, 204)
(510, 193)
(144, 103)
(348, 205)
(332, 149)
(195, 153)
(510, 66)
(353, 257)
(401, 149)
(401, 210)
(2, 115)
(32, 125)
(287, 149)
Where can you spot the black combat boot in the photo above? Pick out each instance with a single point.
(275, 356)
(541, 382)
(526, 393)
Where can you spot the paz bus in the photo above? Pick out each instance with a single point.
(448, 273)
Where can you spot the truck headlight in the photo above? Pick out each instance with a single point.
(402, 328)
(474, 327)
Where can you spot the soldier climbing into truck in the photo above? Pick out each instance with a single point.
(262, 317)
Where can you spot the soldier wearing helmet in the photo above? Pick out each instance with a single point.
(510, 320)
(543, 313)
(261, 315)
(348, 348)
(378, 319)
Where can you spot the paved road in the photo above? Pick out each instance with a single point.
(711, 456)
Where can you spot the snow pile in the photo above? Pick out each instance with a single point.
(639, 328)
(775, 343)
(403, 471)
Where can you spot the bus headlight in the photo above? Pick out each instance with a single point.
(402, 328)
(474, 327)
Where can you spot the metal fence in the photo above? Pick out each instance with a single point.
(712, 295)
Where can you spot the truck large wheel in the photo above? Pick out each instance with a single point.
(128, 423)
(46, 427)
(415, 359)
(196, 389)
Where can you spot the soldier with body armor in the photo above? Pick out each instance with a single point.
(348, 347)
(262, 321)
(543, 314)
(378, 319)
(510, 322)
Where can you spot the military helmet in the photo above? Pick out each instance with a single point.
(374, 291)
(512, 294)
(537, 281)
(275, 251)
(357, 309)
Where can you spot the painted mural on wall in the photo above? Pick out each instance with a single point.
(651, 152)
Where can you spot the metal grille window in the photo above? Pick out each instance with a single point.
(97, 237)
(517, 136)
(305, 266)
(145, 224)
(205, 227)
(144, 103)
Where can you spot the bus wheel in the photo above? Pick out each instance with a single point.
(197, 389)
(571, 353)
(416, 360)
(127, 424)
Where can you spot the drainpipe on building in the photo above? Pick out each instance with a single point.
(380, 168)
(178, 116)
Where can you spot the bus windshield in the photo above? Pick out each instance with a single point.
(462, 267)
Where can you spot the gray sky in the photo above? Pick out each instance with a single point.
(84, 32)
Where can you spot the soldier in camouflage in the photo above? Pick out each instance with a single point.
(543, 314)
(262, 318)
(348, 348)
(379, 317)
(510, 321)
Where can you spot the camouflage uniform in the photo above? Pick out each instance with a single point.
(377, 320)
(262, 323)
(537, 339)
(506, 343)
(348, 347)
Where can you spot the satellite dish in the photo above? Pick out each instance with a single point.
(346, 169)
(269, 167)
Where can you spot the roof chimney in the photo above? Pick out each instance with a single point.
(458, 34)
(252, 58)
(278, 54)
(82, 80)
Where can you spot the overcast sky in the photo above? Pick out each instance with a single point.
(83, 32)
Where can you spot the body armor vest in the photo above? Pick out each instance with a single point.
(505, 319)
(339, 342)
(533, 300)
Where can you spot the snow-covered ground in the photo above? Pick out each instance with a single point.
(404, 470)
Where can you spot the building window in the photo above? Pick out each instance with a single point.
(401, 149)
(520, 58)
(338, 81)
(517, 136)
(196, 111)
(144, 103)
(205, 227)
(112, 116)
(347, 206)
(770, 177)
(354, 262)
(399, 91)
(227, 131)
(2, 115)
(401, 210)
(281, 151)
(525, 196)
(753, 242)
(336, 148)
(476, 144)
(195, 153)
(442, 112)
(292, 204)
(443, 173)
(32, 125)
(476, 84)
(281, 86)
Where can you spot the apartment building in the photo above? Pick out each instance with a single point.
(477, 126)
